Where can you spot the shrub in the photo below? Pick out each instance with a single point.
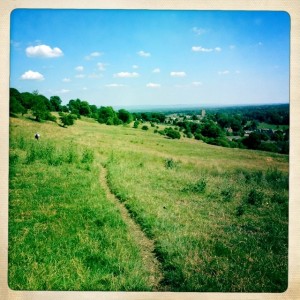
(171, 133)
(198, 187)
(170, 163)
(145, 127)
(136, 124)
(254, 197)
(87, 156)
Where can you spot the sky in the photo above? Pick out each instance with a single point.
(152, 57)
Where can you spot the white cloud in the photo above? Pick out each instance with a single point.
(196, 83)
(80, 76)
(84, 88)
(135, 67)
(157, 70)
(94, 76)
(79, 68)
(43, 51)
(93, 55)
(201, 49)
(237, 72)
(126, 75)
(231, 47)
(223, 72)
(144, 54)
(115, 85)
(64, 91)
(178, 74)
(101, 66)
(66, 80)
(153, 85)
(198, 31)
(31, 75)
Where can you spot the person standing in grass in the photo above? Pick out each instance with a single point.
(37, 136)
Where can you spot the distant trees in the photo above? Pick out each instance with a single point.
(55, 101)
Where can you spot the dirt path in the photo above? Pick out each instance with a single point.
(146, 245)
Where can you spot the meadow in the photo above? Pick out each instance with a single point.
(97, 207)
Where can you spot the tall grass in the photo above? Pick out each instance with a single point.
(218, 217)
(63, 232)
(215, 230)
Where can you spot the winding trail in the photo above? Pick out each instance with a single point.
(145, 244)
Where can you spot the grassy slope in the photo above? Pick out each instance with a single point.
(218, 216)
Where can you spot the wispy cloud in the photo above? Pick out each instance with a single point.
(80, 76)
(201, 49)
(223, 72)
(31, 75)
(64, 91)
(93, 55)
(101, 66)
(126, 75)
(43, 51)
(231, 47)
(178, 74)
(135, 67)
(144, 54)
(199, 31)
(79, 68)
(153, 85)
(115, 85)
(156, 70)
(196, 83)
(66, 80)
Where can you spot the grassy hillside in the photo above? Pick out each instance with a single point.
(217, 217)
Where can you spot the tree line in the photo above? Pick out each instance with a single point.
(41, 108)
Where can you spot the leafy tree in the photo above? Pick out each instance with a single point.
(107, 115)
(84, 109)
(39, 109)
(253, 141)
(16, 107)
(171, 133)
(211, 130)
(56, 103)
(125, 116)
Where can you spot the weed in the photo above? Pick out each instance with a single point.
(170, 163)
(198, 187)
(88, 156)
(254, 197)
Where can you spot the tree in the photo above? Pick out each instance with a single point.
(107, 115)
(16, 107)
(15, 100)
(56, 103)
(125, 116)
(39, 109)
(253, 141)
(84, 109)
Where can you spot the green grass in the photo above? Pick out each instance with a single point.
(218, 216)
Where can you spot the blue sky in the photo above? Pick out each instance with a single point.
(147, 57)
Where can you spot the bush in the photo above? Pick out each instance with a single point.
(198, 187)
(254, 198)
(171, 133)
(170, 163)
(136, 124)
(145, 127)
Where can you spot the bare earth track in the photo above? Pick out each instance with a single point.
(145, 244)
